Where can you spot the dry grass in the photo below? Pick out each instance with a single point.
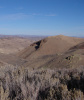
(19, 83)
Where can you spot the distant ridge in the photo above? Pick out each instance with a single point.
(30, 37)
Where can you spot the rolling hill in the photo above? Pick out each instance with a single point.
(54, 52)
(48, 69)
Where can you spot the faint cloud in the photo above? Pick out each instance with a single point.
(39, 14)
(51, 15)
(13, 16)
(36, 14)
(18, 16)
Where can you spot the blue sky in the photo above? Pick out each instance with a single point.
(42, 17)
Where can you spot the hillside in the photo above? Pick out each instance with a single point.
(10, 45)
(53, 52)
(48, 69)
(51, 45)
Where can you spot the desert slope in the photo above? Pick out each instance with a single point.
(54, 52)
(10, 45)
(51, 45)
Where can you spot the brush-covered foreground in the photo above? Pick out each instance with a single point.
(19, 83)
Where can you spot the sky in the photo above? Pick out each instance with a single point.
(42, 17)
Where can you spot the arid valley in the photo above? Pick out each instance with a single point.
(41, 68)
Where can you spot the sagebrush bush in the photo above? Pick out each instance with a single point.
(19, 83)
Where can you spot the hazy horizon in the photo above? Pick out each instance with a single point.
(30, 36)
